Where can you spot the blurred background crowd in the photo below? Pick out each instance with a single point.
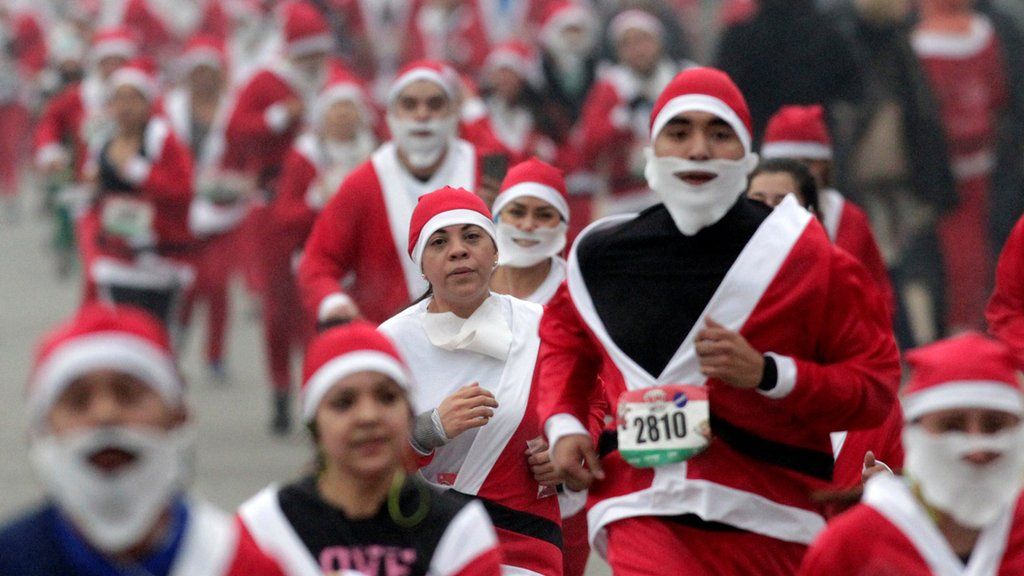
(923, 102)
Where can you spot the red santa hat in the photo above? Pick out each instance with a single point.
(635, 20)
(103, 337)
(305, 30)
(203, 50)
(562, 14)
(534, 178)
(704, 90)
(343, 351)
(797, 132)
(341, 86)
(139, 74)
(516, 56)
(442, 208)
(429, 70)
(113, 42)
(968, 371)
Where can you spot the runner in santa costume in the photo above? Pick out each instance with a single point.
(511, 80)
(450, 32)
(962, 58)
(271, 107)
(532, 217)
(364, 229)
(74, 119)
(135, 236)
(709, 299)
(340, 137)
(22, 57)
(799, 132)
(474, 355)
(772, 182)
(613, 129)
(111, 441)
(1005, 311)
(957, 511)
(362, 512)
(197, 110)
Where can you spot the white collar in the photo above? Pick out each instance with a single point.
(486, 331)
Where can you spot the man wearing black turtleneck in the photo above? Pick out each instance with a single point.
(785, 334)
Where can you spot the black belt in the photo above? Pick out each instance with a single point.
(815, 464)
(517, 521)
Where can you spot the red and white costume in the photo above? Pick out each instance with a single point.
(75, 117)
(892, 533)
(159, 256)
(791, 295)
(800, 133)
(486, 462)
(363, 230)
(1005, 311)
(453, 35)
(895, 530)
(613, 129)
(311, 175)
(450, 539)
(20, 30)
(514, 124)
(967, 75)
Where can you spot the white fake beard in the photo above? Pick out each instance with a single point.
(694, 207)
(973, 495)
(422, 151)
(114, 510)
(550, 241)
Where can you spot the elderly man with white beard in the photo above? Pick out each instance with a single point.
(361, 235)
(111, 443)
(957, 509)
(728, 339)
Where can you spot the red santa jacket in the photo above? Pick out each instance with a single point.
(291, 215)
(70, 121)
(1005, 311)
(364, 229)
(969, 80)
(163, 179)
(790, 293)
(29, 43)
(849, 228)
(891, 533)
(458, 39)
(259, 131)
(614, 126)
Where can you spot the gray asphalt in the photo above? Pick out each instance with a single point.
(236, 455)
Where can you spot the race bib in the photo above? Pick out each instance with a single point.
(663, 425)
(128, 218)
(225, 187)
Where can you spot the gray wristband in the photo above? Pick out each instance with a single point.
(428, 433)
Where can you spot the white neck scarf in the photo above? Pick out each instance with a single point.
(485, 331)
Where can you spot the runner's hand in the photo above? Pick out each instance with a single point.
(539, 459)
(469, 407)
(727, 356)
(576, 462)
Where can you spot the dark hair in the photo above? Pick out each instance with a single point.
(798, 171)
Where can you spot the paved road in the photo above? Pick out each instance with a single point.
(236, 455)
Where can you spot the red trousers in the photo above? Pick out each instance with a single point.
(575, 546)
(650, 546)
(15, 120)
(285, 322)
(970, 265)
(217, 262)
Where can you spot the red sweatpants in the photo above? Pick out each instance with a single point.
(650, 546)
(285, 323)
(13, 143)
(217, 261)
(970, 266)
(575, 546)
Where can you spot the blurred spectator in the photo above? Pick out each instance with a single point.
(891, 159)
(965, 58)
(789, 53)
(510, 79)
(613, 131)
(567, 39)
